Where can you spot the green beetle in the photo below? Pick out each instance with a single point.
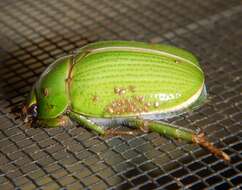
(120, 82)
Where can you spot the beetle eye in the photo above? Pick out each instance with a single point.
(33, 110)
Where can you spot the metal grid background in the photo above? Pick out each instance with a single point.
(34, 33)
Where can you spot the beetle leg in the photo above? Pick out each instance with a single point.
(98, 128)
(178, 133)
(62, 121)
(81, 120)
(161, 127)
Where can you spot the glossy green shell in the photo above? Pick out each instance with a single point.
(51, 92)
(120, 79)
(132, 78)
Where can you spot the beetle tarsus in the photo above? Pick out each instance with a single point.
(202, 141)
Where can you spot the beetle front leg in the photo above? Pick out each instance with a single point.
(81, 120)
(62, 121)
(178, 133)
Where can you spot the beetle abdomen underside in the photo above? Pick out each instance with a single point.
(118, 82)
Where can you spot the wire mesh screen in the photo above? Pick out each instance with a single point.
(34, 33)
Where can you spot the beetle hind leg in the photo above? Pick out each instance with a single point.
(178, 132)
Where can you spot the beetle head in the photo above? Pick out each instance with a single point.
(29, 113)
(29, 110)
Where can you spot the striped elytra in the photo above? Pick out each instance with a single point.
(118, 79)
